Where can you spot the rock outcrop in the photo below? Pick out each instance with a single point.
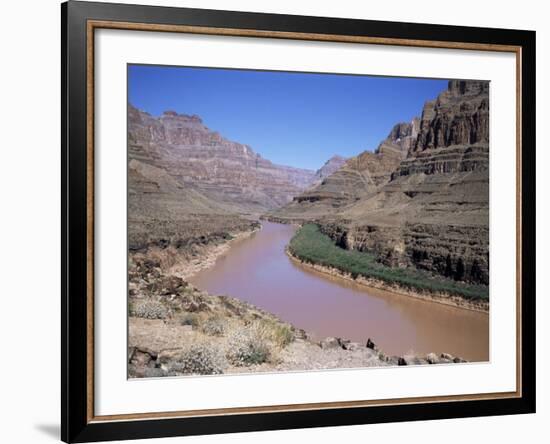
(459, 116)
(402, 138)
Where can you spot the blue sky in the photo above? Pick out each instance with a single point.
(297, 119)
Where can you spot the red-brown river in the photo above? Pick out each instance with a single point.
(258, 271)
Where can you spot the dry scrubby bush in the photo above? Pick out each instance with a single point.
(280, 334)
(189, 319)
(248, 347)
(200, 359)
(214, 326)
(149, 310)
(283, 335)
(164, 257)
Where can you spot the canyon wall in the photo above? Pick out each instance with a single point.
(421, 199)
(229, 173)
(357, 177)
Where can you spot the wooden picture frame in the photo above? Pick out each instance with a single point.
(79, 22)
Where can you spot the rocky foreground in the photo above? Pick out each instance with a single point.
(176, 329)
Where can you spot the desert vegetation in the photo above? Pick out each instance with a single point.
(311, 246)
(177, 329)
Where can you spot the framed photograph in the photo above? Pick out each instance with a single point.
(275, 221)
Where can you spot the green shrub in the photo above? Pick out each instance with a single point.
(312, 246)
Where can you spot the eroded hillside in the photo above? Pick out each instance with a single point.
(422, 198)
(229, 173)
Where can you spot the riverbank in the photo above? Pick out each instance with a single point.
(312, 249)
(198, 254)
(209, 254)
(176, 329)
(283, 220)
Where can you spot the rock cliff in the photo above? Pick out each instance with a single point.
(459, 116)
(402, 138)
(422, 198)
(228, 173)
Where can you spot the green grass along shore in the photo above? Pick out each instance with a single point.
(313, 247)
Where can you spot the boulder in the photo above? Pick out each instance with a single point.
(142, 357)
(371, 344)
(446, 358)
(352, 346)
(166, 356)
(393, 360)
(330, 343)
(344, 343)
(432, 358)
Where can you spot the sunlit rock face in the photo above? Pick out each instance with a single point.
(227, 172)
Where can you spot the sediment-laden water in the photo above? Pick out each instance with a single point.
(258, 271)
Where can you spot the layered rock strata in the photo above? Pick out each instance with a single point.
(228, 173)
(331, 166)
(428, 205)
